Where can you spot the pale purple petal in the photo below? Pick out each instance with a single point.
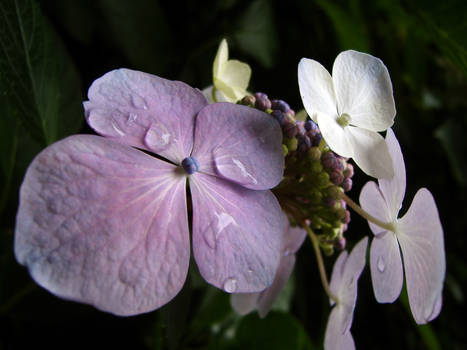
(363, 90)
(347, 291)
(104, 224)
(343, 285)
(269, 295)
(334, 338)
(337, 273)
(386, 267)
(239, 143)
(421, 239)
(316, 89)
(370, 152)
(393, 189)
(244, 303)
(145, 111)
(237, 234)
(293, 237)
(372, 201)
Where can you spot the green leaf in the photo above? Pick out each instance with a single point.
(277, 331)
(445, 22)
(140, 30)
(452, 136)
(256, 32)
(348, 24)
(39, 85)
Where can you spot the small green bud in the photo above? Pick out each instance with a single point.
(292, 144)
(314, 153)
(335, 192)
(322, 179)
(285, 150)
(316, 167)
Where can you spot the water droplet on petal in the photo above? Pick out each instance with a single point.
(132, 117)
(380, 264)
(138, 102)
(117, 129)
(287, 252)
(230, 285)
(157, 138)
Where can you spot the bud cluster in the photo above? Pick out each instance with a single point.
(315, 178)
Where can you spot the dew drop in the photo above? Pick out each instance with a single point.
(287, 252)
(380, 264)
(132, 117)
(138, 102)
(117, 129)
(157, 138)
(230, 285)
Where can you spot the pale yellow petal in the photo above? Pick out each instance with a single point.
(221, 57)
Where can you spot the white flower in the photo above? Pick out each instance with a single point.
(351, 107)
(230, 77)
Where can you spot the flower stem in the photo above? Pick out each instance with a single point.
(386, 225)
(213, 93)
(319, 259)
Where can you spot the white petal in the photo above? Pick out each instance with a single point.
(363, 90)
(393, 188)
(421, 239)
(336, 137)
(316, 88)
(370, 152)
(221, 57)
(373, 202)
(386, 267)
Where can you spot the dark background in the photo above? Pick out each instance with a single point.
(51, 51)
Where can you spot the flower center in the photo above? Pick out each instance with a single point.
(343, 120)
(190, 165)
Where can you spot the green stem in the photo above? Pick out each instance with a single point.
(386, 225)
(319, 259)
(213, 93)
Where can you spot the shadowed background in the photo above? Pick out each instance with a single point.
(52, 50)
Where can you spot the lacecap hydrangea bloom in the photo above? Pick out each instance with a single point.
(351, 107)
(103, 222)
(418, 234)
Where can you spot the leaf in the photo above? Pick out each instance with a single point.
(452, 136)
(141, 31)
(38, 83)
(277, 331)
(445, 22)
(256, 32)
(348, 23)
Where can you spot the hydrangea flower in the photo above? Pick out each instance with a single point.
(104, 223)
(345, 274)
(351, 107)
(418, 234)
(230, 77)
(246, 302)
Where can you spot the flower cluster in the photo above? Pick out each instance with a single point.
(104, 223)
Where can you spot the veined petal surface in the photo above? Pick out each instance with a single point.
(421, 239)
(370, 152)
(104, 224)
(237, 234)
(373, 202)
(363, 90)
(393, 189)
(239, 143)
(345, 274)
(316, 89)
(386, 267)
(145, 111)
